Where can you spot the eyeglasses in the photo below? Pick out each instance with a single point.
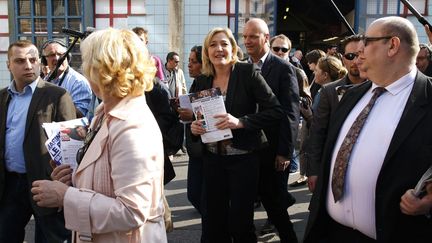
(367, 39)
(52, 55)
(277, 49)
(350, 56)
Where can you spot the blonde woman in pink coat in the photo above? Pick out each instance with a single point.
(118, 186)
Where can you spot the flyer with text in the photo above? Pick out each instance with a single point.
(205, 105)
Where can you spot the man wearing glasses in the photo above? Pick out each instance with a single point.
(174, 77)
(66, 77)
(378, 127)
(329, 97)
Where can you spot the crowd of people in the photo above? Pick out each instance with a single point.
(353, 121)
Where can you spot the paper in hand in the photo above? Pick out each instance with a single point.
(420, 188)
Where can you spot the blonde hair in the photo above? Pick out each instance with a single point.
(118, 61)
(333, 66)
(207, 66)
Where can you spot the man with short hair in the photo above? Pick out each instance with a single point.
(424, 60)
(175, 79)
(379, 126)
(296, 58)
(143, 35)
(275, 159)
(329, 97)
(332, 50)
(66, 77)
(25, 104)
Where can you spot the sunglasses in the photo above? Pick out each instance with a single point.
(350, 56)
(277, 49)
(367, 39)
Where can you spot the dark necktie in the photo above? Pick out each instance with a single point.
(343, 155)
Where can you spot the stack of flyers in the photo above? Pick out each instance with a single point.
(64, 140)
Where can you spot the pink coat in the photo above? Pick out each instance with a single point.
(119, 184)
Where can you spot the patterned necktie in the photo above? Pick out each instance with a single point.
(343, 155)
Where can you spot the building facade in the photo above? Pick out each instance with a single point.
(173, 25)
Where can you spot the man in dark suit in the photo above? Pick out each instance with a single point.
(397, 129)
(24, 106)
(275, 159)
(329, 97)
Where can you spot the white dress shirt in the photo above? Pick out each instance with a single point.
(356, 209)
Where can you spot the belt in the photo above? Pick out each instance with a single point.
(16, 174)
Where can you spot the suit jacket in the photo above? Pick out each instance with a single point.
(169, 124)
(118, 187)
(247, 89)
(49, 103)
(281, 78)
(408, 157)
(328, 101)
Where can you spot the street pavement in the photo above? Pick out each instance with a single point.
(187, 222)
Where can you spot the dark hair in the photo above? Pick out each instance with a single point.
(349, 39)
(140, 31)
(314, 55)
(198, 51)
(428, 50)
(171, 55)
(20, 44)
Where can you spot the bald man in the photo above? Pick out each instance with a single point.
(396, 132)
(275, 159)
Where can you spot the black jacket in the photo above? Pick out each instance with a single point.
(408, 157)
(246, 90)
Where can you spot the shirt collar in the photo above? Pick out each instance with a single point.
(261, 60)
(12, 89)
(400, 84)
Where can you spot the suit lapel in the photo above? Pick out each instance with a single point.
(232, 84)
(266, 67)
(96, 147)
(414, 111)
(342, 111)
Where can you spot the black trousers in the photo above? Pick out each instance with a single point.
(338, 233)
(275, 196)
(231, 187)
(16, 211)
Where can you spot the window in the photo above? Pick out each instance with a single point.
(4, 31)
(40, 20)
(394, 7)
(114, 13)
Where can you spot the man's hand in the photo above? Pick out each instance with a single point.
(412, 205)
(428, 33)
(49, 194)
(281, 163)
(185, 114)
(62, 173)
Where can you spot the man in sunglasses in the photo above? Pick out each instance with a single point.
(174, 77)
(329, 97)
(275, 159)
(378, 128)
